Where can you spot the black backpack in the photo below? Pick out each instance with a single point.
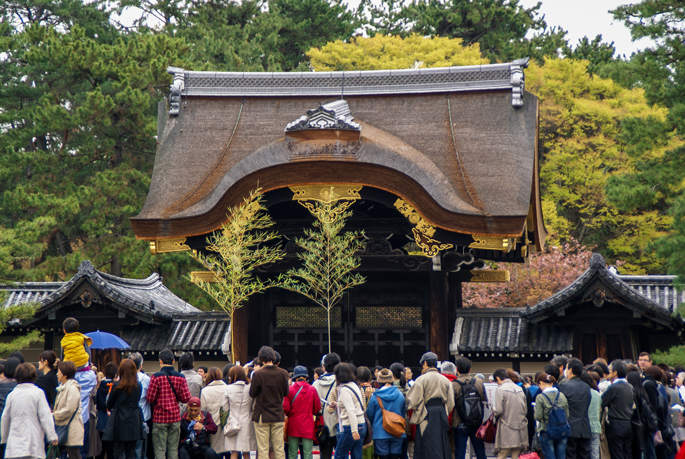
(470, 406)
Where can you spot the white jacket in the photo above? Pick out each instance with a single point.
(26, 421)
(211, 398)
(350, 410)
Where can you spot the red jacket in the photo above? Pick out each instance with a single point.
(301, 414)
(451, 378)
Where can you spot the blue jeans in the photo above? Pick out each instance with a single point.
(347, 444)
(552, 449)
(461, 437)
(388, 446)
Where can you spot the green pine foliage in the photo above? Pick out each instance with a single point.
(328, 258)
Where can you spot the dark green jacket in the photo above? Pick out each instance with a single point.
(542, 407)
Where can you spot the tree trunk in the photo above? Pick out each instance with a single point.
(232, 325)
(115, 267)
(329, 329)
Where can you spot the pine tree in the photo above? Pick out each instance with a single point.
(243, 244)
(328, 257)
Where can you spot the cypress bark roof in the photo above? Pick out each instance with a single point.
(459, 144)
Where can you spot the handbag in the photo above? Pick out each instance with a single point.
(532, 455)
(52, 452)
(393, 423)
(232, 426)
(488, 430)
(63, 431)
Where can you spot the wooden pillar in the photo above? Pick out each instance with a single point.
(240, 330)
(439, 336)
(49, 342)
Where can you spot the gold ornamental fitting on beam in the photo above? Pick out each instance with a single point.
(484, 242)
(423, 231)
(330, 195)
(168, 245)
(202, 276)
(327, 193)
(490, 275)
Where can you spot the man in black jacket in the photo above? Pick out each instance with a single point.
(619, 398)
(578, 395)
(196, 427)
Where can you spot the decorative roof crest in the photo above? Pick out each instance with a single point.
(334, 115)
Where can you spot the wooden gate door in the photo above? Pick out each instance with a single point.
(376, 324)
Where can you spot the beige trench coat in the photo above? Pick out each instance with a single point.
(510, 411)
(69, 400)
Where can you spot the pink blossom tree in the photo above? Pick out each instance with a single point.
(547, 273)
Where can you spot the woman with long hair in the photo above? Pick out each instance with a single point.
(125, 424)
(211, 398)
(68, 408)
(47, 363)
(238, 402)
(27, 420)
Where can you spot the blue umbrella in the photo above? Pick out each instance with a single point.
(104, 340)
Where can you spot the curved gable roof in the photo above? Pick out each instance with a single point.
(146, 298)
(580, 290)
(460, 144)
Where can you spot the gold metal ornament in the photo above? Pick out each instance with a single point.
(202, 276)
(429, 247)
(330, 195)
(423, 231)
(168, 245)
(484, 242)
(490, 275)
(327, 193)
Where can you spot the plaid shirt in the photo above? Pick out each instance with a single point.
(161, 397)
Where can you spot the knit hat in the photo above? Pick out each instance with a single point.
(385, 376)
(194, 401)
(300, 371)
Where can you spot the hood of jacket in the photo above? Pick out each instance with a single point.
(326, 380)
(388, 395)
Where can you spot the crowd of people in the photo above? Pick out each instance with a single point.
(569, 410)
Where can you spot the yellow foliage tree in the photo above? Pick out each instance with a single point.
(383, 52)
(583, 137)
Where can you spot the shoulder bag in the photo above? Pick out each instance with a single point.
(393, 423)
(232, 426)
(172, 387)
(63, 431)
(321, 433)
